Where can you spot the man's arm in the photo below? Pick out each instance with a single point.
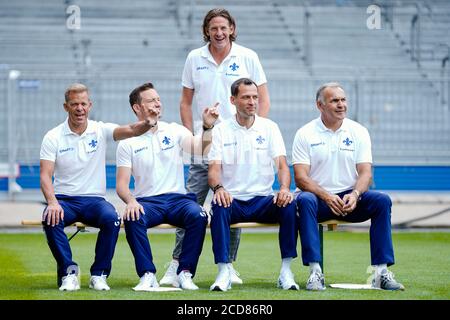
(133, 208)
(187, 97)
(221, 196)
(134, 129)
(54, 212)
(200, 144)
(284, 196)
(305, 183)
(263, 101)
(362, 185)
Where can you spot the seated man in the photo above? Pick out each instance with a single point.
(245, 149)
(332, 164)
(155, 161)
(74, 154)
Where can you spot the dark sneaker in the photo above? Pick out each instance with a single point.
(385, 280)
(316, 282)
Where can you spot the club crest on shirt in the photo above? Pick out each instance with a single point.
(92, 146)
(260, 139)
(347, 142)
(234, 70)
(166, 143)
(347, 145)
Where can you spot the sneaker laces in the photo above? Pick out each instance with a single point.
(147, 277)
(171, 266)
(95, 279)
(186, 275)
(70, 277)
(234, 271)
(315, 276)
(388, 276)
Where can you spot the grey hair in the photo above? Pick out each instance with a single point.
(319, 94)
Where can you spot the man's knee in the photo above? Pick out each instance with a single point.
(197, 215)
(381, 199)
(306, 199)
(219, 211)
(385, 200)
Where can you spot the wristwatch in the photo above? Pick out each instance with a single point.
(206, 128)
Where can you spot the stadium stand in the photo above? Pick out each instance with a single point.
(396, 78)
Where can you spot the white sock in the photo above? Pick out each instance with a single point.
(379, 268)
(286, 265)
(175, 262)
(222, 266)
(315, 267)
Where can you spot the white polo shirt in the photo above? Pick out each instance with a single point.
(79, 159)
(332, 155)
(155, 159)
(247, 156)
(212, 82)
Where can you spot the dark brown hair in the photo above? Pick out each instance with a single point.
(135, 95)
(218, 12)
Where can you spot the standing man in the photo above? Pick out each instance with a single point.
(332, 161)
(73, 154)
(245, 149)
(208, 74)
(155, 160)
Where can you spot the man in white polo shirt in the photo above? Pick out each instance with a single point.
(155, 160)
(73, 154)
(245, 149)
(208, 74)
(332, 161)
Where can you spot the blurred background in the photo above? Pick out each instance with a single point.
(392, 57)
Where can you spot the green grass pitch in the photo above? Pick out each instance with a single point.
(27, 268)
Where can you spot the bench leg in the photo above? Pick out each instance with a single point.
(321, 246)
(79, 229)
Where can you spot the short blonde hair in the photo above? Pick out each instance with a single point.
(75, 88)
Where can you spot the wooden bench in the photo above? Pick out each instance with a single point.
(330, 224)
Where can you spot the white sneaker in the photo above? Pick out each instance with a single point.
(147, 282)
(223, 281)
(234, 275)
(70, 283)
(170, 277)
(286, 281)
(99, 283)
(385, 280)
(184, 281)
(316, 281)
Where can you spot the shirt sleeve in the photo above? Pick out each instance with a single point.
(256, 71)
(277, 148)
(181, 133)
(215, 153)
(300, 150)
(49, 148)
(108, 129)
(364, 150)
(123, 155)
(186, 80)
